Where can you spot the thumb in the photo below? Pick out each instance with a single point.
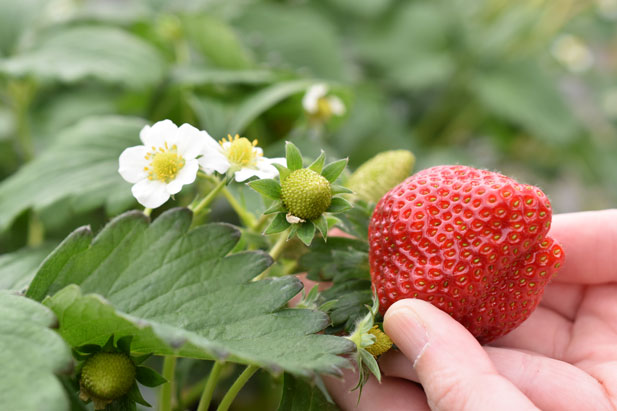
(454, 370)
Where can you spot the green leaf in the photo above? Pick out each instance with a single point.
(296, 37)
(337, 189)
(124, 344)
(306, 232)
(255, 105)
(17, 17)
(317, 165)
(279, 223)
(268, 187)
(529, 99)
(202, 76)
(334, 169)
(276, 207)
(293, 156)
(371, 363)
(322, 225)
(80, 165)
(177, 291)
(300, 395)
(148, 377)
(134, 396)
(283, 171)
(216, 41)
(30, 356)
(18, 268)
(75, 243)
(339, 205)
(106, 54)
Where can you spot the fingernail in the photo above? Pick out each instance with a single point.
(407, 331)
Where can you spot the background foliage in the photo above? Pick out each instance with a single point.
(525, 87)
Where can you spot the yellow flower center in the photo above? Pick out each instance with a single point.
(324, 108)
(240, 151)
(165, 163)
(382, 342)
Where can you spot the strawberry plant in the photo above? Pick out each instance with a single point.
(213, 204)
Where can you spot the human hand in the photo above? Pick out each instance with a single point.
(564, 357)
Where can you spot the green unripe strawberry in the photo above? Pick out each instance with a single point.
(306, 194)
(107, 376)
(381, 173)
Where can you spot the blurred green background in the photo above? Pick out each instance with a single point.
(527, 88)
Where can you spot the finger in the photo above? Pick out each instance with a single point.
(545, 332)
(565, 299)
(543, 380)
(589, 240)
(548, 382)
(453, 368)
(393, 394)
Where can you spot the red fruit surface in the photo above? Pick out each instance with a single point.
(472, 242)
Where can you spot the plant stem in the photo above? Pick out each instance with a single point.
(205, 202)
(167, 389)
(206, 396)
(279, 246)
(236, 387)
(275, 252)
(147, 211)
(36, 230)
(247, 218)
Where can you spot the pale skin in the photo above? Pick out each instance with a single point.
(564, 357)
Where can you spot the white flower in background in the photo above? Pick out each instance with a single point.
(240, 156)
(166, 161)
(572, 52)
(318, 104)
(607, 9)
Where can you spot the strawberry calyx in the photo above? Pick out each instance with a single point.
(370, 342)
(304, 197)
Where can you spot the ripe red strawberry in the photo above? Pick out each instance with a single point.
(472, 242)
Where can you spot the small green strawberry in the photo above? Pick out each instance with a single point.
(378, 175)
(107, 375)
(306, 194)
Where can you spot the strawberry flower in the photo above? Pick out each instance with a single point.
(238, 156)
(321, 106)
(165, 162)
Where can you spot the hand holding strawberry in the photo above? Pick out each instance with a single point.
(563, 357)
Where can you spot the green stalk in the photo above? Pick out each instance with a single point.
(275, 252)
(167, 389)
(279, 246)
(247, 218)
(206, 396)
(236, 387)
(205, 202)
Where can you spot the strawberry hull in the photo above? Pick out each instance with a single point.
(472, 242)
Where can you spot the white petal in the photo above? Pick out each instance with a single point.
(264, 169)
(214, 160)
(278, 160)
(191, 141)
(132, 162)
(159, 133)
(245, 173)
(187, 175)
(150, 193)
(336, 105)
(314, 93)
